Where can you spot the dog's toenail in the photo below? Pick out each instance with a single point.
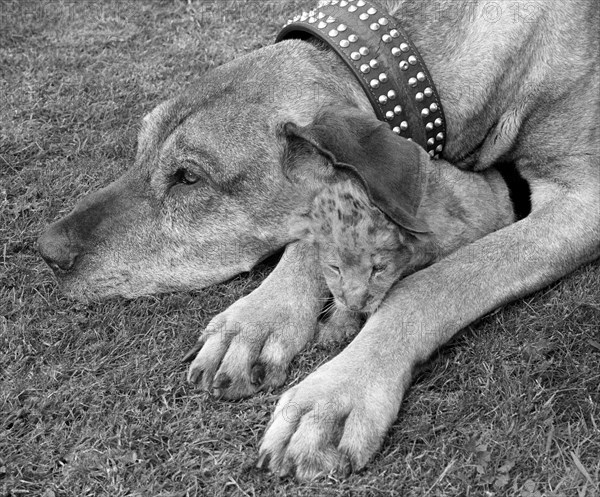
(192, 353)
(222, 382)
(345, 467)
(196, 376)
(257, 374)
(263, 461)
(286, 468)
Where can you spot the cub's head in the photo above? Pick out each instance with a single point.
(361, 252)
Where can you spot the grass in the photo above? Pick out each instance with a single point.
(93, 398)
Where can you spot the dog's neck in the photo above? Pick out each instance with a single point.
(469, 75)
(385, 62)
(460, 207)
(496, 67)
(481, 89)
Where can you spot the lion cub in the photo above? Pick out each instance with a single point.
(362, 253)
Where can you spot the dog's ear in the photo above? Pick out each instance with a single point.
(389, 167)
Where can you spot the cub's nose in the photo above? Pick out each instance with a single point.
(355, 307)
(56, 248)
(356, 302)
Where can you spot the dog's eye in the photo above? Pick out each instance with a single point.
(186, 176)
(379, 268)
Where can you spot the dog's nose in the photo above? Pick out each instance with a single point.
(56, 249)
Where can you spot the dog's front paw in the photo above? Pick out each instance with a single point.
(332, 422)
(249, 346)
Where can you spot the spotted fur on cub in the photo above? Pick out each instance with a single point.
(362, 253)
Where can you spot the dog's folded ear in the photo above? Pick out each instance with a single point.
(390, 167)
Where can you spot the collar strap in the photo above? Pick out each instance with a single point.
(385, 62)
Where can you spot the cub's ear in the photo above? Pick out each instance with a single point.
(301, 228)
(389, 167)
(416, 242)
(422, 248)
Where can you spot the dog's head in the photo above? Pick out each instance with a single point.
(207, 196)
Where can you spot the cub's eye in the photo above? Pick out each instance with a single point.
(379, 268)
(186, 176)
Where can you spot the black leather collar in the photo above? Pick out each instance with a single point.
(384, 60)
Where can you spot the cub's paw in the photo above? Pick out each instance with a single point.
(341, 325)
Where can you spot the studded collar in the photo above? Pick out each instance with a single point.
(385, 62)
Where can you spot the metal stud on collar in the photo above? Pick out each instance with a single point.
(396, 81)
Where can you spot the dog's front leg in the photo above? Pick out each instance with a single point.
(250, 345)
(336, 418)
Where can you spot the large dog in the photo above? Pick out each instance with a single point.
(207, 199)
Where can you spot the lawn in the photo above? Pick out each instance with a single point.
(93, 396)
